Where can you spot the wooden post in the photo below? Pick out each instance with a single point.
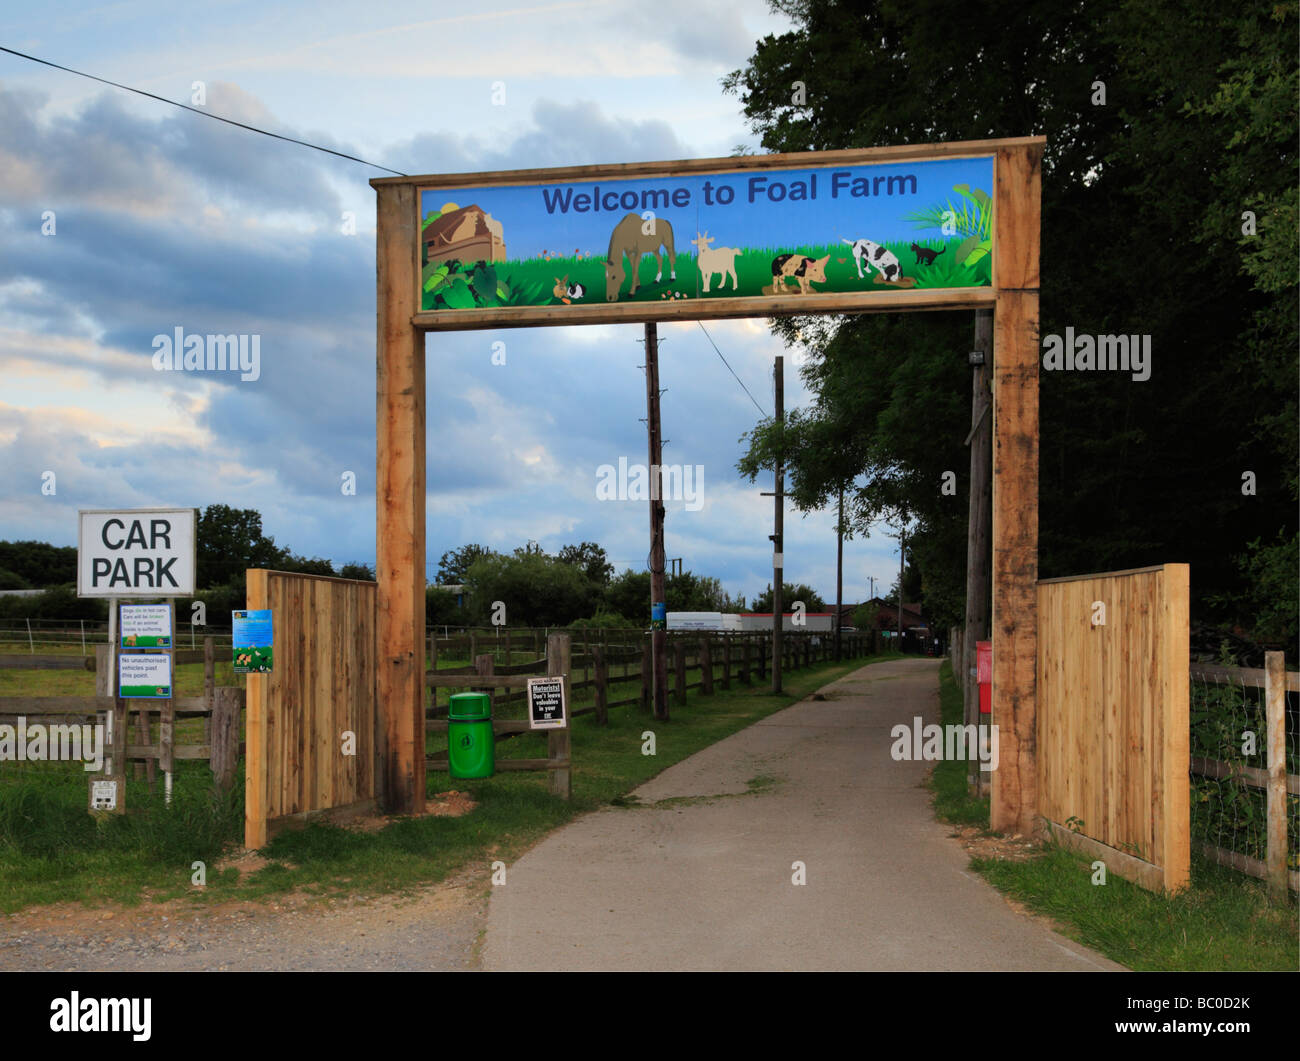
(602, 685)
(1017, 197)
(647, 674)
(679, 669)
(558, 661)
(762, 659)
(1275, 716)
(399, 501)
(726, 661)
(223, 742)
(706, 668)
(744, 662)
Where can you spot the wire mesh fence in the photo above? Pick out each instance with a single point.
(1229, 768)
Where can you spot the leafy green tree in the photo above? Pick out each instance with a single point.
(229, 541)
(1132, 472)
(791, 592)
(455, 563)
(591, 559)
(537, 590)
(360, 572)
(37, 564)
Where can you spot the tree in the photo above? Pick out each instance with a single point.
(1132, 472)
(37, 564)
(229, 541)
(791, 592)
(536, 589)
(360, 572)
(455, 563)
(591, 559)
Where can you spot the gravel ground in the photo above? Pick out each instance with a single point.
(436, 929)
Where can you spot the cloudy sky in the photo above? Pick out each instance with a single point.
(157, 219)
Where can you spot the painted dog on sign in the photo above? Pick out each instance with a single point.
(883, 261)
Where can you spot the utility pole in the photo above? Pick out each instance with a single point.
(902, 549)
(839, 577)
(778, 560)
(658, 605)
(980, 517)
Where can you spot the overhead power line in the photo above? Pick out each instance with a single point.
(203, 113)
(729, 368)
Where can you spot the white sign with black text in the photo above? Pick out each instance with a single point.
(546, 708)
(147, 552)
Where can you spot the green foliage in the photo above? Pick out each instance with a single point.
(454, 565)
(589, 558)
(33, 565)
(1131, 473)
(440, 607)
(537, 589)
(790, 592)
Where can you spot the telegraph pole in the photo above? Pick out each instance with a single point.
(902, 548)
(658, 605)
(839, 577)
(778, 560)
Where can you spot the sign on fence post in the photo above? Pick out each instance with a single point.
(546, 703)
(146, 552)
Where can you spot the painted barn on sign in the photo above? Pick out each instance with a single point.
(467, 233)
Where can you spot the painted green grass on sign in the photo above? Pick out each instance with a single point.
(533, 281)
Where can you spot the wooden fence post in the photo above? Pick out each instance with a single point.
(223, 742)
(602, 685)
(647, 677)
(559, 658)
(762, 660)
(744, 662)
(726, 661)
(1275, 715)
(706, 667)
(679, 668)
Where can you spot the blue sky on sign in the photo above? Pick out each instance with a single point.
(159, 219)
(788, 208)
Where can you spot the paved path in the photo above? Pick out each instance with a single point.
(692, 882)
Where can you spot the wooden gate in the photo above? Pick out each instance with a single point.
(320, 689)
(1112, 727)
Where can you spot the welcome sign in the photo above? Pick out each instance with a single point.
(663, 238)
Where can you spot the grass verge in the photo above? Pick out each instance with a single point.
(1223, 921)
(51, 850)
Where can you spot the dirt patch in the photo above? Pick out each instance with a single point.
(450, 804)
(978, 844)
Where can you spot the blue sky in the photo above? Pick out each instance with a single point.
(162, 219)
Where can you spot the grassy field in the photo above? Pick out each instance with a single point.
(51, 850)
(1223, 921)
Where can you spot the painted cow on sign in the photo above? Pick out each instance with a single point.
(634, 237)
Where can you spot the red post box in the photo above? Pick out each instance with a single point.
(984, 675)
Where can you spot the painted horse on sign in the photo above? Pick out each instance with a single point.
(634, 236)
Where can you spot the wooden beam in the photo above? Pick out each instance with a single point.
(731, 164)
(1016, 212)
(1175, 818)
(881, 300)
(399, 503)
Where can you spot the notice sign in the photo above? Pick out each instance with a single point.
(136, 553)
(546, 703)
(146, 625)
(144, 677)
(251, 639)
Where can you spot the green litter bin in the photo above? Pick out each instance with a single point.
(471, 747)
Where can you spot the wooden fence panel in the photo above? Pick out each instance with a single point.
(321, 685)
(1112, 725)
